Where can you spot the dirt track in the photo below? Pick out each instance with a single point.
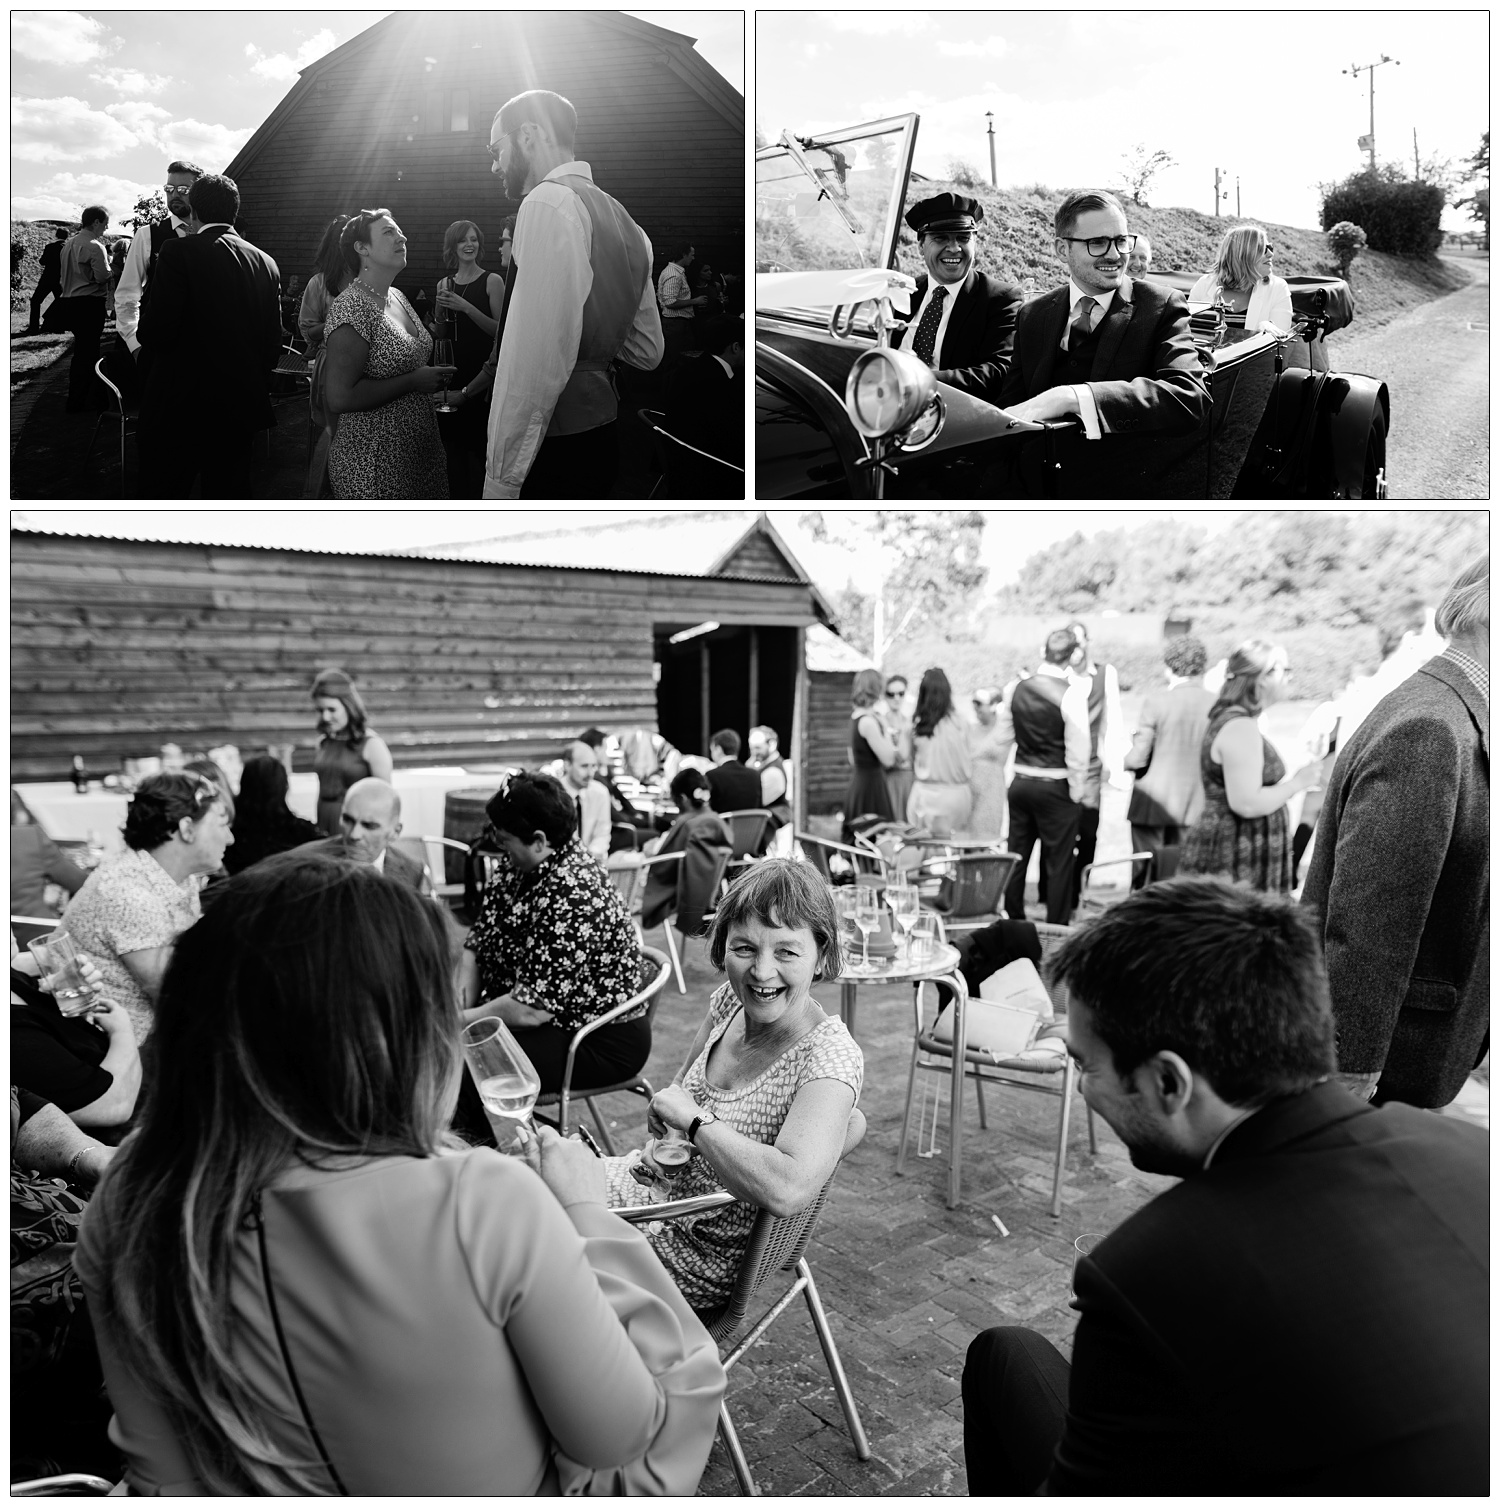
(1435, 360)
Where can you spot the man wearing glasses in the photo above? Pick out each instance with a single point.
(1115, 353)
(962, 321)
(577, 296)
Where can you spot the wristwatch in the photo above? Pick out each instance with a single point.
(708, 1117)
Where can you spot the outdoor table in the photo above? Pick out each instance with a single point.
(941, 963)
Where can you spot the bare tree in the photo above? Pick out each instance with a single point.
(965, 174)
(1141, 166)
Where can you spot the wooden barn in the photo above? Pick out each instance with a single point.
(399, 117)
(120, 645)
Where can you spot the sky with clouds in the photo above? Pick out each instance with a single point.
(101, 101)
(1260, 95)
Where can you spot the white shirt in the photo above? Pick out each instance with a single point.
(595, 813)
(133, 282)
(672, 287)
(1076, 739)
(542, 330)
(910, 333)
(1088, 410)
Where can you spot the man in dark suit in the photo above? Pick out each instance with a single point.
(1113, 353)
(371, 819)
(732, 786)
(1305, 1313)
(1400, 873)
(49, 282)
(212, 322)
(962, 321)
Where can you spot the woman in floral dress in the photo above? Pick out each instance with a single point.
(378, 382)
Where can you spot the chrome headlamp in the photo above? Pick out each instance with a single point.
(891, 391)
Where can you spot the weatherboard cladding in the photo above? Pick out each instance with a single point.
(669, 147)
(118, 646)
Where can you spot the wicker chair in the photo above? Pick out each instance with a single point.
(777, 1247)
(1055, 1076)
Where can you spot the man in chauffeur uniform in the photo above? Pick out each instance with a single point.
(962, 322)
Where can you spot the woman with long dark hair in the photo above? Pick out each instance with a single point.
(871, 753)
(943, 795)
(300, 1284)
(263, 823)
(350, 749)
(1242, 833)
(327, 282)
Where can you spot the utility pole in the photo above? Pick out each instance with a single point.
(1216, 192)
(989, 115)
(1416, 160)
(1237, 214)
(1354, 70)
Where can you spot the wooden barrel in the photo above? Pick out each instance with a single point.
(463, 819)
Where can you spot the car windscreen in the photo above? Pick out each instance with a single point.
(834, 199)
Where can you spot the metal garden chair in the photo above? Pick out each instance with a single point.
(971, 887)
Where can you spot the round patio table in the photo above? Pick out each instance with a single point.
(940, 963)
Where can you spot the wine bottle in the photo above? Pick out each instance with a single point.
(80, 775)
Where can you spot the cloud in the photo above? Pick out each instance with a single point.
(991, 47)
(283, 67)
(64, 195)
(131, 80)
(64, 129)
(876, 23)
(59, 36)
(209, 144)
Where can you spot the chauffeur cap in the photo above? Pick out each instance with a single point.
(945, 212)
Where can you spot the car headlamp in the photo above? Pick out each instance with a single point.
(887, 391)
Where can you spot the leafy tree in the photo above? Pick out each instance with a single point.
(965, 174)
(930, 572)
(1141, 166)
(149, 209)
(1345, 241)
(1477, 172)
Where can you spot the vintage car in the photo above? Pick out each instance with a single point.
(839, 412)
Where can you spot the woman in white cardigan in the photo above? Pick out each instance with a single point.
(1242, 277)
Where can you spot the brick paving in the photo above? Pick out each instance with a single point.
(907, 1282)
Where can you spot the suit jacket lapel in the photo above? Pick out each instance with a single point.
(1116, 322)
(916, 300)
(1053, 317)
(1450, 674)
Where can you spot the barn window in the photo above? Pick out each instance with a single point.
(459, 118)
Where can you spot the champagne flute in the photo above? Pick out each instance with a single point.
(867, 914)
(904, 904)
(442, 355)
(507, 1082)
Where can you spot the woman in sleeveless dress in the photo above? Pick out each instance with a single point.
(870, 752)
(378, 382)
(469, 302)
(350, 750)
(942, 797)
(1242, 833)
(990, 753)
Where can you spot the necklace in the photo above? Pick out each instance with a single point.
(381, 298)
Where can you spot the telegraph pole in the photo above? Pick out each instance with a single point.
(1354, 70)
(989, 115)
(1237, 214)
(1217, 172)
(1416, 160)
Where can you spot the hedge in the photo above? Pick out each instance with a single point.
(1400, 217)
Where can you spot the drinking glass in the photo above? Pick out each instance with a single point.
(62, 978)
(904, 904)
(503, 1074)
(867, 914)
(442, 355)
(671, 1151)
(923, 942)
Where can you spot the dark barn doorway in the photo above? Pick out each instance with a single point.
(738, 676)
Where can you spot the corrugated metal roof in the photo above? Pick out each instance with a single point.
(830, 654)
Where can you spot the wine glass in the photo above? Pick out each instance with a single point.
(904, 904)
(503, 1074)
(442, 355)
(867, 914)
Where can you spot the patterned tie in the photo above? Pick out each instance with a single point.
(925, 339)
(1083, 323)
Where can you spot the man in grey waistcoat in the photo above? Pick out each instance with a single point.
(1400, 872)
(578, 295)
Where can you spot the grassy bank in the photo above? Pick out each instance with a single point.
(1016, 244)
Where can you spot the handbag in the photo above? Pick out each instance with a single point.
(1004, 1019)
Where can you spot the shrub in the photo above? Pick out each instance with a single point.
(1398, 216)
(965, 174)
(1345, 241)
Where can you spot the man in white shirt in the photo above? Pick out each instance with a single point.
(578, 295)
(675, 294)
(371, 821)
(594, 816)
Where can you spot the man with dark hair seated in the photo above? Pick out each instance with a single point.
(1306, 1312)
(553, 948)
(706, 394)
(732, 786)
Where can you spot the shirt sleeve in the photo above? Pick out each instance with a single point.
(835, 1055)
(43, 1065)
(1075, 715)
(542, 331)
(131, 918)
(132, 284)
(1088, 411)
(644, 343)
(58, 867)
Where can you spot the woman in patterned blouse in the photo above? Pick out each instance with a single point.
(553, 948)
(767, 1095)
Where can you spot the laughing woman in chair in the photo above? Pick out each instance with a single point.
(767, 1095)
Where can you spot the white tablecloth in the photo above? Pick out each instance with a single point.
(63, 813)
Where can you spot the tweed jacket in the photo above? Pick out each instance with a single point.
(981, 329)
(1400, 877)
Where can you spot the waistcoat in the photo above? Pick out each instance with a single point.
(1075, 366)
(1036, 711)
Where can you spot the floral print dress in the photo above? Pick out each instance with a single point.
(392, 450)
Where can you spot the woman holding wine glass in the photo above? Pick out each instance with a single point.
(469, 301)
(300, 1284)
(378, 383)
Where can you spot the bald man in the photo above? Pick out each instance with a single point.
(371, 819)
(579, 765)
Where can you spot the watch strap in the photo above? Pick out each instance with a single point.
(699, 1121)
